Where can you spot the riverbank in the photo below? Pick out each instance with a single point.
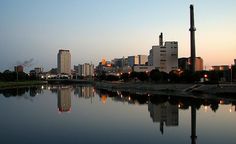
(4, 85)
(168, 88)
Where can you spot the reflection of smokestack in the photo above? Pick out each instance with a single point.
(193, 125)
(192, 39)
(161, 39)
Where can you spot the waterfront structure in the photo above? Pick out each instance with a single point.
(64, 62)
(19, 68)
(192, 39)
(184, 63)
(84, 70)
(164, 57)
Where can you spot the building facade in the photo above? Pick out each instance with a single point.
(164, 57)
(184, 63)
(64, 62)
(19, 68)
(84, 70)
(137, 60)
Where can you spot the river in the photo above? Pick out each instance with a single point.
(60, 114)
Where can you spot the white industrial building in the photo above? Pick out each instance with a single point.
(164, 57)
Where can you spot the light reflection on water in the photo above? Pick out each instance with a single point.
(82, 114)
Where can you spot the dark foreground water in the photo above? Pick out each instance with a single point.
(79, 114)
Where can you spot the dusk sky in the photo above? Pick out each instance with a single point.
(96, 29)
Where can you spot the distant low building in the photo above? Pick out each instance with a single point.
(220, 68)
(19, 68)
(84, 70)
(184, 63)
(137, 60)
(143, 68)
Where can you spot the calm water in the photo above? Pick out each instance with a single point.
(79, 114)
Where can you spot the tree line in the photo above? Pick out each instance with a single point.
(175, 76)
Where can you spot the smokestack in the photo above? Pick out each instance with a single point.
(192, 39)
(161, 39)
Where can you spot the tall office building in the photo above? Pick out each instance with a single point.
(164, 57)
(64, 62)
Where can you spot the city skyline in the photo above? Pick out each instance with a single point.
(93, 30)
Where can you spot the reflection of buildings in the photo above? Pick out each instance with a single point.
(85, 92)
(164, 113)
(64, 99)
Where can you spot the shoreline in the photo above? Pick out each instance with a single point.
(6, 85)
(168, 88)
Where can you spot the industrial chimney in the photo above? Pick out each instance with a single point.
(161, 39)
(192, 39)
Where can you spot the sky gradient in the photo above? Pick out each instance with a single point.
(96, 29)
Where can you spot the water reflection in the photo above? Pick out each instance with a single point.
(164, 110)
(84, 92)
(64, 99)
(164, 113)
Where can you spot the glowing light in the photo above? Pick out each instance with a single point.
(221, 102)
(205, 108)
(129, 98)
(104, 99)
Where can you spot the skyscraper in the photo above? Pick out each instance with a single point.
(64, 62)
